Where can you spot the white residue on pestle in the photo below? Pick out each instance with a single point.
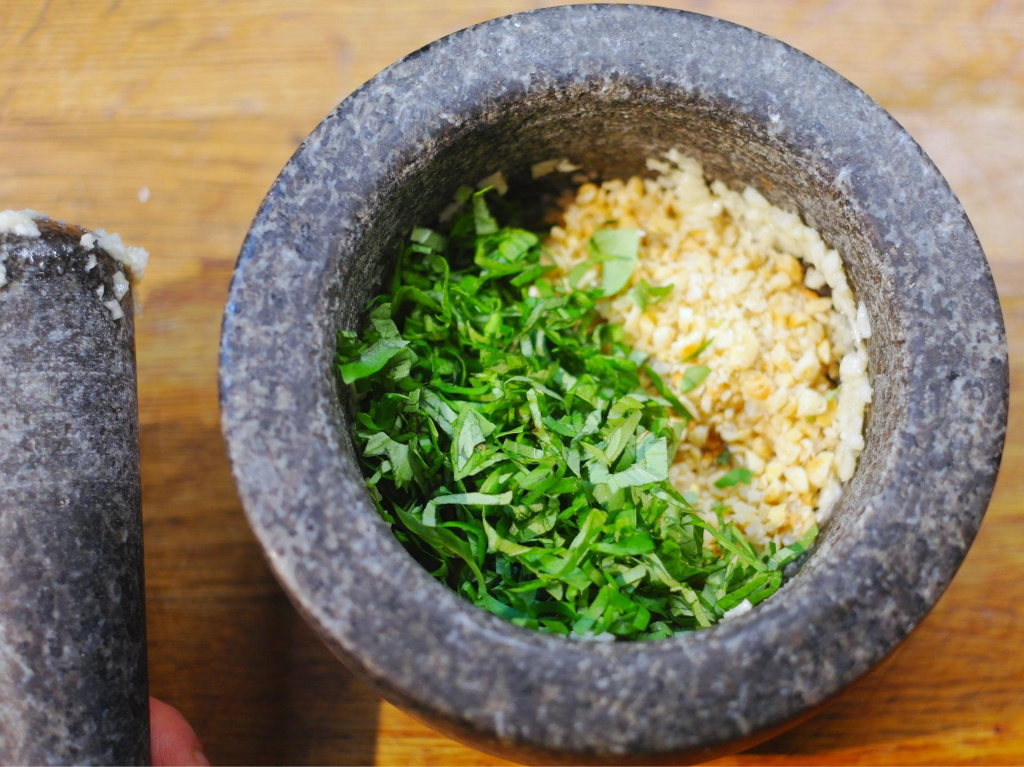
(22, 223)
(115, 309)
(19, 222)
(120, 285)
(129, 255)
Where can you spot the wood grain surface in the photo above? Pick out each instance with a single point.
(168, 120)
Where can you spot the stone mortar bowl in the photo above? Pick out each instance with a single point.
(608, 86)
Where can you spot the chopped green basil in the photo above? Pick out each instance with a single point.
(735, 477)
(698, 351)
(644, 294)
(615, 250)
(694, 377)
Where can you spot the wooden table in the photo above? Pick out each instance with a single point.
(168, 120)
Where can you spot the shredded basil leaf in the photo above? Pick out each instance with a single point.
(698, 351)
(694, 377)
(735, 477)
(615, 250)
(644, 294)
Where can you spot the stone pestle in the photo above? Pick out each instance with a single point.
(73, 679)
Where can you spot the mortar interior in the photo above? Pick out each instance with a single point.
(611, 136)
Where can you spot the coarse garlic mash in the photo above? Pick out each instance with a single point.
(746, 277)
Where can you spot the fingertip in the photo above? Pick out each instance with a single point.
(174, 742)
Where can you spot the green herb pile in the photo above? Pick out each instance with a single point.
(510, 438)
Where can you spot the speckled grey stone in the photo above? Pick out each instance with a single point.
(606, 87)
(72, 614)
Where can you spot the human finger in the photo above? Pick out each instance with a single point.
(174, 741)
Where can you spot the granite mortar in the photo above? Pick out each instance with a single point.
(606, 87)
